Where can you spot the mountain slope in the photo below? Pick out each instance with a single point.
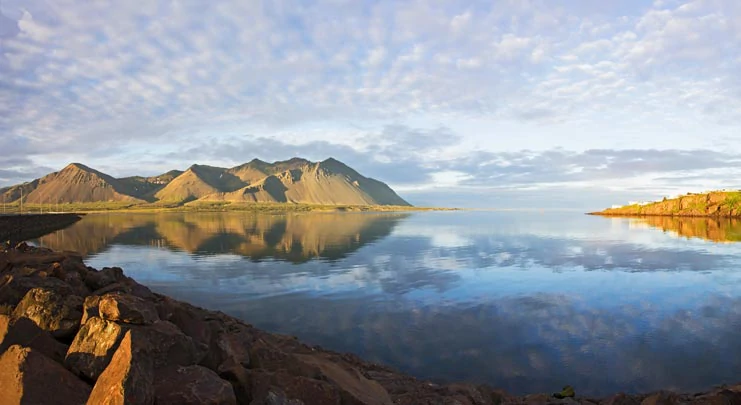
(296, 180)
(78, 183)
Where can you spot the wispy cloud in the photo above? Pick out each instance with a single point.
(87, 80)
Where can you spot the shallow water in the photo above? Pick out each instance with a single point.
(527, 302)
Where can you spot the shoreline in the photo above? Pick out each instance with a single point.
(95, 329)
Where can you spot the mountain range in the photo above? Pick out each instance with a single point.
(329, 182)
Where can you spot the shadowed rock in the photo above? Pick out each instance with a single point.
(192, 385)
(128, 379)
(26, 333)
(29, 377)
(51, 311)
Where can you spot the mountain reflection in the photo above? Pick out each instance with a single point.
(295, 238)
(711, 229)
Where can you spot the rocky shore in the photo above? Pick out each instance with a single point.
(71, 334)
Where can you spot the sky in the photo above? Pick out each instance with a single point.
(510, 104)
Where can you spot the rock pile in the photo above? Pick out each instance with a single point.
(71, 334)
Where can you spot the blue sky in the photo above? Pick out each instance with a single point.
(524, 103)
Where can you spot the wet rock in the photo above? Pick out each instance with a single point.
(26, 333)
(51, 311)
(128, 379)
(29, 377)
(192, 385)
(96, 280)
(127, 308)
(93, 347)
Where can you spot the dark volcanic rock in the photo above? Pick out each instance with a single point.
(93, 347)
(127, 308)
(51, 311)
(128, 379)
(192, 385)
(29, 377)
(26, 333)
(261, 383)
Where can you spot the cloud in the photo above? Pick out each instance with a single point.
(87, 81)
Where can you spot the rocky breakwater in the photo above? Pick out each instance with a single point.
(71, 334)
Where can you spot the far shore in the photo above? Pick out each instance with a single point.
(15, 208)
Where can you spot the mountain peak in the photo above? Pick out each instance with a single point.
(77, 166)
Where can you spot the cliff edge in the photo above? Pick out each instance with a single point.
(713, 204)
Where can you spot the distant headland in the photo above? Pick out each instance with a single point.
(725, 204)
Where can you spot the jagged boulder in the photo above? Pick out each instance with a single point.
(29, 377)
(127, 308)
(93, 347)
(128, 379)
(51, 311)
(26, 333)
(192, 385)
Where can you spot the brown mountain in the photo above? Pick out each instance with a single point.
(329, 182)
(75, 183)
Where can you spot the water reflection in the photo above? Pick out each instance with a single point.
(711, 229)
(523, 302)
(293, 237)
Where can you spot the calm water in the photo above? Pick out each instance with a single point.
(527, 302)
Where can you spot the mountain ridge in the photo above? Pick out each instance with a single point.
(296, 180)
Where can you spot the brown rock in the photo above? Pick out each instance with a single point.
(90, 308)
(192, 385)
(128, 379)
(127, 308)
(621, 399)
(51, 311)
(128, 286)
(279, 398)
(26, 333)
(104, 277)
(93, 347)
(261, 383)
(29, 377)
(15, 287)
(661, 398)
(354, 385)
(167, 345)
(722, 397)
